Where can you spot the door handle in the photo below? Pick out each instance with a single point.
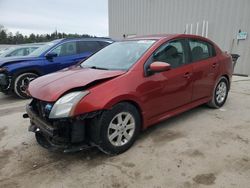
(187, 75)
(214, 65)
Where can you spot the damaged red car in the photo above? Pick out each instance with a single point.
(124, 88)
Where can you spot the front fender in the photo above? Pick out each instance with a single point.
(122, 98)
(91, 104)
(16, 69)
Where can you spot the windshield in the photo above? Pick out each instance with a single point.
(43, 48)
(119, 55)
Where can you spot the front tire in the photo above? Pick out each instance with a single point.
(21, 84)
(220, 93)
(120, 127)
(42, 140)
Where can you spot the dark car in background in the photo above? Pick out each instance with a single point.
(17, 72)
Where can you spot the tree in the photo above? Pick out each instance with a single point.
(1, 27)
(32, 38)
(19, 38)
(10, 38)
(3, 36)
(60, 35)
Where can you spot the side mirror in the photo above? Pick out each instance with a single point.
(159, 66)
(51, 55)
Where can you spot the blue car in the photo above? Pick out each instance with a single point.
(16, 73)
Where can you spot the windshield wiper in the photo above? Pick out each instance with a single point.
(95, 67)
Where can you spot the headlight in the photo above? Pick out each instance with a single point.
(63, 107)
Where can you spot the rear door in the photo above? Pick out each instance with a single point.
(87, 48)
(205, 68)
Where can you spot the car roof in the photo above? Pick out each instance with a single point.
(33, 44)
(25, 46)
(165, 36)
(89, 39)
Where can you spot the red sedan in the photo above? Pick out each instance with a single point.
(124, 88)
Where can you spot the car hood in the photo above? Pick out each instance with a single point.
(11, 60)
(50, 87)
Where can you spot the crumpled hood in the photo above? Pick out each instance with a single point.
(10, 60)
(50, 87)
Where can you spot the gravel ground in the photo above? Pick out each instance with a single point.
(200, 148)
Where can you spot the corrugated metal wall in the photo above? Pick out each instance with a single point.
(225, 18)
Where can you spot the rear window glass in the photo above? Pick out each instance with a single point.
(88, 46)
(103, 44)
(201, 50)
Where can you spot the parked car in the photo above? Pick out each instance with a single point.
(125, 88)
(17, 72)
(19, 50)
(2, 50)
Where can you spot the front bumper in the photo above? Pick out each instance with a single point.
(63, 135)
(40, 124)
(3, 79)
(4, 82)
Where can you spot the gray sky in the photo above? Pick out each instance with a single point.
(44, 16)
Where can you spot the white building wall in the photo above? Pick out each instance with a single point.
(225, 19)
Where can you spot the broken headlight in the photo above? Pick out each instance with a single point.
(63, 106)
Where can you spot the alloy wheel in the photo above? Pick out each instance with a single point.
(121, 129)
(221, 92)
(25, 83)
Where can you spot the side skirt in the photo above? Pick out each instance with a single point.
(175, 112)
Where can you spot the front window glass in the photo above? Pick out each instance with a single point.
(44, 48)
(171, 53)
(119, 55)
(65, 49)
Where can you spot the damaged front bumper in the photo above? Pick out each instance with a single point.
(5, 82)
(67, 135)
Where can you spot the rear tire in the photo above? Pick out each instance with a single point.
(120, 127)
(220, 93)
(21, 83)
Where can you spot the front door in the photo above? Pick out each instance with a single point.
(66, 56)
(171, 89)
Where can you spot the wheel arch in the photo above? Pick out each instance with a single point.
(228, 80)
(23, 71)
(138, 107)
(130, 100)
(95, 129)
(31, 70)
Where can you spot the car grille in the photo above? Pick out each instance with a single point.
(43, 109)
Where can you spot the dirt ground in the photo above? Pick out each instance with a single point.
(200, 148)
